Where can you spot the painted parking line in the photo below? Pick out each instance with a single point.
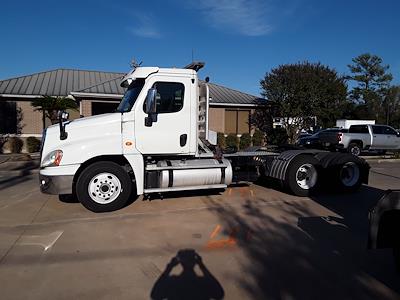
(44, 240)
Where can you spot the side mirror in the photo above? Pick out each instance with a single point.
(151, 101)
(62, 117)
(151, 107)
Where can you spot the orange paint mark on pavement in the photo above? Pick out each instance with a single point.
(221, 243)
(215, 232)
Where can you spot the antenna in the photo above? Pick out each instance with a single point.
(134, 64)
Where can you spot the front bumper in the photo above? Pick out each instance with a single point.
(57, 180)
(56, 185)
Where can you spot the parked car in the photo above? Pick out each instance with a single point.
(323, 139)
(384, 220)
(369, 137)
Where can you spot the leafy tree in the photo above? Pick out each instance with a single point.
(372, 83)
(49, 106)
(277, 136)
(391, 106)
(299, 92)
(258, 138)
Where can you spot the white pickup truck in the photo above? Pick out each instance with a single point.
(369, 137)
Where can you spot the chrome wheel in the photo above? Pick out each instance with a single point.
(355, 150)
(349, 174)
(104, 188)
(306, 176)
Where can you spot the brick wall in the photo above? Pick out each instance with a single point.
(216, 119)
(86, 108)
(31, 120)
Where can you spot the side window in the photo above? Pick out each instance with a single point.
(389, 130)
(169, 98)
(358, 129)
(377, 130)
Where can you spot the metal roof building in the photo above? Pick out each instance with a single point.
(63, 82)
(99, 92)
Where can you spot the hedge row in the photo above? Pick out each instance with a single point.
(232, 141)
(15, 144)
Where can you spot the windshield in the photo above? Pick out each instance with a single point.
(130, 96)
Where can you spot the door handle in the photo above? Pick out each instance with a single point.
(183, 139)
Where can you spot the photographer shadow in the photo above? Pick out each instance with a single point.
(188, 284)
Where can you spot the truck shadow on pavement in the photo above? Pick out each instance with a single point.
(14, 180)
(294, 253)
(188, 284)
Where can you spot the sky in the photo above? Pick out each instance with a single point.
(239, 40)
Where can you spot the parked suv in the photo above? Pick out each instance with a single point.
(369, 137)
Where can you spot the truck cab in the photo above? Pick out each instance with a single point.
(168, 126)
(155, 131)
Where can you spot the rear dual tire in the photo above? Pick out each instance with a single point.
(302, 175)
(347, 174)
(343, 172)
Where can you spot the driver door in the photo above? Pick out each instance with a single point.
(169, 132)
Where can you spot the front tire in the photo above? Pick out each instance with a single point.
(103, 187)
(302, 175)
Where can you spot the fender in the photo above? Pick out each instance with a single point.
(278, 166)
(382, 234)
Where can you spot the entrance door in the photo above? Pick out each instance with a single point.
(169, 134)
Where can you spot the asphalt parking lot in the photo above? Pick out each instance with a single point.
(249, 242)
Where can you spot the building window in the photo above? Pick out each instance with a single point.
(8, 117)
(237, 121)
(99, 108)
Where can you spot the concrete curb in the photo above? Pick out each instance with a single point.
(383, 160)
(376, 157)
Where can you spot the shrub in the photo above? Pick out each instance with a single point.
(258, 138)
(3, 140)
(277, 136)
(245, 141)
(232, 141)
(221, 141)
(32, 144)
(15, 144)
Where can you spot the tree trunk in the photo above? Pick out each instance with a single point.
(54, 117)
(44, 119)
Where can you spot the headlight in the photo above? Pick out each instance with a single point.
(52, 159)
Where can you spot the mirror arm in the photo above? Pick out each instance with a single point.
(63, 133)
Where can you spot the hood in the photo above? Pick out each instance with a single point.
(86, 137)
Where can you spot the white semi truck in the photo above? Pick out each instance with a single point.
(157, 141)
